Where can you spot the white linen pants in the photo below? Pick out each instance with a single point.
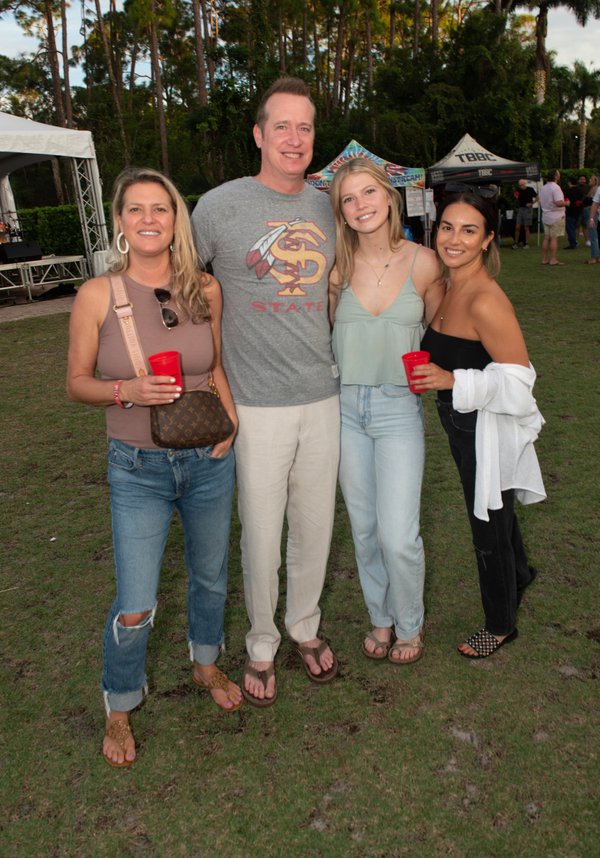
(287, 463)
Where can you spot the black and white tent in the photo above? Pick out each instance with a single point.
(24, 142)
(470, 162)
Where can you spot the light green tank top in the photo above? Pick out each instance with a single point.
(368, 349)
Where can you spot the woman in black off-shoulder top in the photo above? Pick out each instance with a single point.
(475, 325)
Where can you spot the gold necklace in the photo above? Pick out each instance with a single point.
(385, 268)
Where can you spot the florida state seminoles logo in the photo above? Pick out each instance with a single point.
(285, 252)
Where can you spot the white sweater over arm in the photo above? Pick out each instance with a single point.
(508, 423)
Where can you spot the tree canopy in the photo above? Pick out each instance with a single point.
(174, 83)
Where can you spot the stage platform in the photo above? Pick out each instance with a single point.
(39, 275)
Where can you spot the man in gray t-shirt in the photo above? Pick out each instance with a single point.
(271, 242)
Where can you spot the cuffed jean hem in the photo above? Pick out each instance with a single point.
(205, 653)
(381, 473)
(380, 622)
(124, 701)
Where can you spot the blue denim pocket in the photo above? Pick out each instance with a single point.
(395, 391)
(120, 458)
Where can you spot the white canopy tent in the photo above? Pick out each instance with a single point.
(24, 142)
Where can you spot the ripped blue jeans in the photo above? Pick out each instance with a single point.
(504, 571)
(146, 487)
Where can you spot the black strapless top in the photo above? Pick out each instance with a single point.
(453, 353)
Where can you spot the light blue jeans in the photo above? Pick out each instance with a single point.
(381, 474)
(146, 487)
(592, 234)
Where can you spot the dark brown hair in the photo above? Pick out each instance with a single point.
(489, 212)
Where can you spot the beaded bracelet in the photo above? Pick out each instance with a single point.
(117, 395)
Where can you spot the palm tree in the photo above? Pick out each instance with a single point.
(587, 88)
(582, 9)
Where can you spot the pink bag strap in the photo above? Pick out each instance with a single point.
(124, 310)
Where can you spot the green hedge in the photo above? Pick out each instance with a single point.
(57, 229)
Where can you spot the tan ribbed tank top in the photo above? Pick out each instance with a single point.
(194, 342)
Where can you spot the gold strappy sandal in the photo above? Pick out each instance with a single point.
(221, 681)
(119, 732)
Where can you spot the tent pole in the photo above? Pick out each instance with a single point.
(91, 212)
(426, 221)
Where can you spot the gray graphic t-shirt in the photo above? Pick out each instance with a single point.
(272, 254)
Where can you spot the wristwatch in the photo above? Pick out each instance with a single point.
(117, 395)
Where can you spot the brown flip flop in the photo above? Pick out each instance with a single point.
(316, 652)
(401, 646)
(263, 677)
(379, 645)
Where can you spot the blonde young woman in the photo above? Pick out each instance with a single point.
(383, 289)
(175, 307)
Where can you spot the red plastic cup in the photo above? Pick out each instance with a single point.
(167, 363)
(410, 361)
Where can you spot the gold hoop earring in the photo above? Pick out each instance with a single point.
(120, 238)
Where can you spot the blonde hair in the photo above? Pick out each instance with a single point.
(346, 239)
(188, 279)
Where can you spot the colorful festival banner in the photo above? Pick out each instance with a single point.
(400, 177)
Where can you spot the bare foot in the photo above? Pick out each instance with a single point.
(384, 636)
(226, 694)
(255, 686)
(118, 746)
(468, 650)
(405, 652)
(326, 657)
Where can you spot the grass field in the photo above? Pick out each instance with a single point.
(444, 758)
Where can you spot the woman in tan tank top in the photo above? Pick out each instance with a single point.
(175, 307)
